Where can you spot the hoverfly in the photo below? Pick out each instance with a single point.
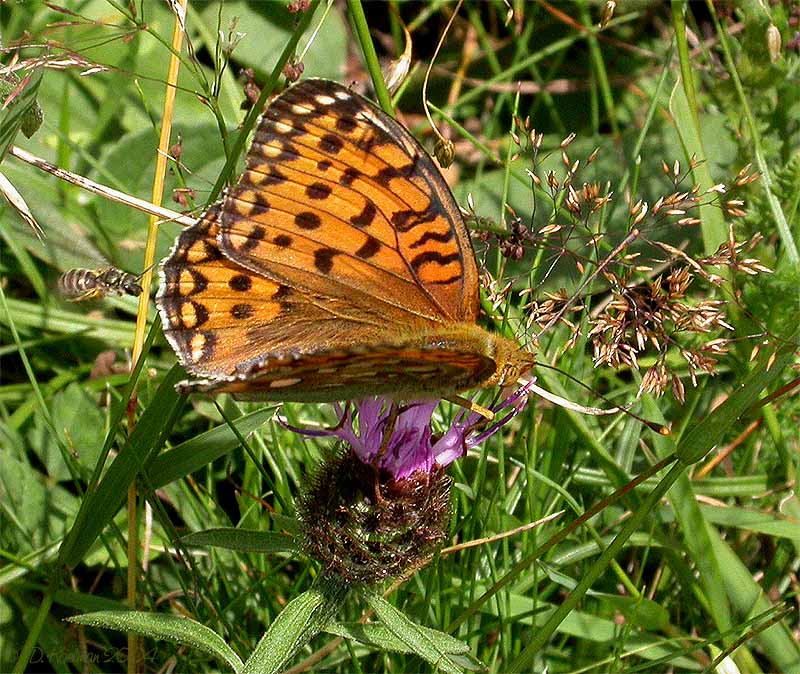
(78, 285)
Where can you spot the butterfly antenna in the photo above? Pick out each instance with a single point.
(632, 236)
(654, 426)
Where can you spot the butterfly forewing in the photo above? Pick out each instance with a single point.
(220, 317)
(338, 198)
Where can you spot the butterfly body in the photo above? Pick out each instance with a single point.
(84, 284)
(338, 266)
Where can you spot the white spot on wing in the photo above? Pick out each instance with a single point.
(282, 127)
(271, 150)
(372, 118)
(197, 345)
(324, 99)
(300, 109)
(343, 95)
(188, 315)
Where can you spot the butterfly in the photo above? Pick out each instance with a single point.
(85, 284)
(337, 267)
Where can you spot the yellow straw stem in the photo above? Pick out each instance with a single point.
(158, 186)
(144, 302)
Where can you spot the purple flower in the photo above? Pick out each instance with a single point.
(411, 446)
(379, 504)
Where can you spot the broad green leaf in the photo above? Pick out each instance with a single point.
(243, 540)
(79, 422)
(303, 618)
(381, 637)
(641, 612)
(193, 454)
(269, 23)
(32, 509)
(771, 524)
(407, 631)
(164, 627)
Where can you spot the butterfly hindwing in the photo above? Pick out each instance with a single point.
(395, 370)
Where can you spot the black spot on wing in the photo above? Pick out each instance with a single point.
(349, 176)
(242, 311)
(367, 215)
(406, 220)
(331, 143)
(323, 259)
(441, 237)
(256, 235)
(433, 256)
(307, 220)
(318, 191)
(346, 124)
(240, 283)
(370, 247)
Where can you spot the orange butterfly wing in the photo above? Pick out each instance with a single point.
(220, 318)
(338, 198)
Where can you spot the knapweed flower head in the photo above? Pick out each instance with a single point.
(380, 503)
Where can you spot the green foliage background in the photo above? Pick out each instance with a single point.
(699, 566)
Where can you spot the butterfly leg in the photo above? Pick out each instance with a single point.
(472, 406)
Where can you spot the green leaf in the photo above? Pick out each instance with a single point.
(36, 318)
(22, 111)
(771, 524)
(713, 428)
(748, 598)
(269, 23)
(243, 540)
(87, 603)
(79, 424)
(193, 454)
(713, 222)
(381, 637)
(302, 619)
(171, 628)
(101, 505)
(412, 635)
(640, 612)
(32, 516)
